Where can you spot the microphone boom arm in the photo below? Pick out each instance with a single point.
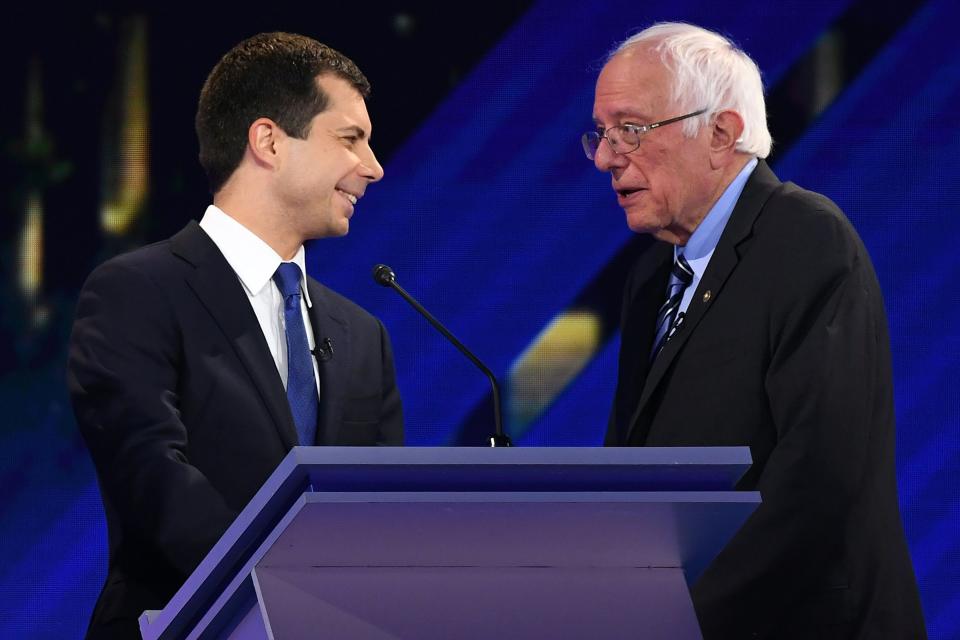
(385, 276)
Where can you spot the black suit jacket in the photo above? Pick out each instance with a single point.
(784, 348)
(185, 415)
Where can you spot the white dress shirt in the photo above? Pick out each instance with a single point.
(255, 262)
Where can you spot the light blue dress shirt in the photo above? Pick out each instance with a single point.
(699, 248)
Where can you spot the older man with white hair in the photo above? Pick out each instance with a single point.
(755, 320)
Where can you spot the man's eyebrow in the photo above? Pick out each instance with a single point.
(355, 130)
(625, 114)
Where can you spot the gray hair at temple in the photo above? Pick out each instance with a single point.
(711, 72)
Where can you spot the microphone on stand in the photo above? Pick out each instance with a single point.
(384, 276)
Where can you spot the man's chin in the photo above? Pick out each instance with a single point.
(639, 222)
(339, 230)
(334, 230)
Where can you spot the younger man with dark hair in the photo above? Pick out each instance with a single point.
(197, 363)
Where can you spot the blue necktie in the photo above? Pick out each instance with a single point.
(680, 277)
(301, 383)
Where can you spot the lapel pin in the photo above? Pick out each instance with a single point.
(707, 296)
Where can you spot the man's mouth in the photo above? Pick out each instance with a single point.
(625, 194)
(349, 196)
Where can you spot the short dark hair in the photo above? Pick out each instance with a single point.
(270, 75)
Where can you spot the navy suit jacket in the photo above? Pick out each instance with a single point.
(180, 403)
(784, 348)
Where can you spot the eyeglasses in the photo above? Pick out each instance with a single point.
(624, 138)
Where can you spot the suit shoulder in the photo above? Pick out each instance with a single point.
(151, 262)
(802, 222)
(324, 294)
(806, 243)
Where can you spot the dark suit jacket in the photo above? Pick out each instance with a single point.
(185, 414)
(784, 348)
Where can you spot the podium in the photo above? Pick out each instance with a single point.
(391, 543)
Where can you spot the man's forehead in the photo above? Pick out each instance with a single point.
(634, 84)
(346, 107)
(643, 69)
(346, 120)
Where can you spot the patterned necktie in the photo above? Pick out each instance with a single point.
(301, 383)
(680, 278)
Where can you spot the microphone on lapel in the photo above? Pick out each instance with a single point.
(324, 351)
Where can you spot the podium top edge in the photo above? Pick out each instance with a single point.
(568, 456)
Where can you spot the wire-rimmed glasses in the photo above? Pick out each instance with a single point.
(625, 138)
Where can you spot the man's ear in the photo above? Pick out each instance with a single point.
(726, 129)
(264, 138)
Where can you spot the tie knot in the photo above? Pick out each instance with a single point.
(287, 277)
(682, 270)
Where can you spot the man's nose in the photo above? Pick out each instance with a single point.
(370, 168)
(604, 159)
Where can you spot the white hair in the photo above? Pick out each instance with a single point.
(712, 73)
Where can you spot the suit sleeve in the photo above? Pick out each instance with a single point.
(391, 414)
(827, 357)
(123, 376)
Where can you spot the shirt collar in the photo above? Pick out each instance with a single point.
(252, 259)
(707, 234)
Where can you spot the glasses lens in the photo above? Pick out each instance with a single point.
(590, 142)
(625, 138)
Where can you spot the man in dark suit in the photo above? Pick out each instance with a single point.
(755, 320)
(198, 362)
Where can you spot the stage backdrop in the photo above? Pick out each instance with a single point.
(491, 215)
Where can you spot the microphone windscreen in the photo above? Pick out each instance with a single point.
(383, 275)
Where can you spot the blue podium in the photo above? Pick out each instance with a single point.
(391, 543)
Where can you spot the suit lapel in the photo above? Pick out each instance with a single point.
(329, 324)
(222, 294)
(726, 256)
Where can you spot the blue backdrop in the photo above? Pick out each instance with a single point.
(493, 218)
